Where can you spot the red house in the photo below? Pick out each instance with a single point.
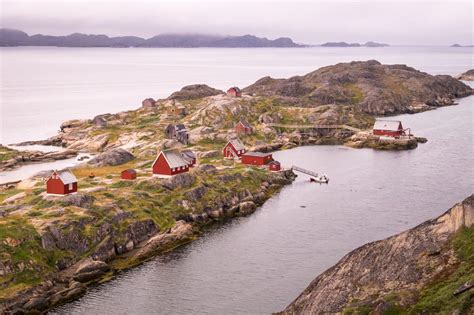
(61, 183)
(390, 128)
(274, 166)
(169, 163)
(233, 148)
(234, 92)
(243, 127)
(128, 174)
(256, 158)
(189, 157)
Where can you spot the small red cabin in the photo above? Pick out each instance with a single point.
(233, 148)
(256, 158)
(274, 166)
(169, 163)
(128, 174)
(189, 157)
(390, 128)
(234, 92)
(243, 127)
(61, 183)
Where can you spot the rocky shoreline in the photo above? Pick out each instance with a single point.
(144, 241)
(401, 273)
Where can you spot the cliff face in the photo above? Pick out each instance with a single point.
(367, 85)
(393, 273)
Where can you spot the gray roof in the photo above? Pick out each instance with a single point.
(67, 177)
(188, 153)
(245, 123)
(390, 125)
(237, 144)
(174, 158)
(259, 154)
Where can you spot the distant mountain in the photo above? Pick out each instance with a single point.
(457, 45)
(10, 37)
(344, 44)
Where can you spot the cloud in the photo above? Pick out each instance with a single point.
(395, 22)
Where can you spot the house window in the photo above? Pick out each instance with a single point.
(70, 186)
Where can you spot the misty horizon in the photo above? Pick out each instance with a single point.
(395, 23)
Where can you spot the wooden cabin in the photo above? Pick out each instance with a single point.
(129, 174)
(256, 158)
(234, 92)
(390, 128)
(168, 163)
(234, 148)
(61, 183)
(274, 166)
(190, 157)
(148, 103)
(178, 132)
(243, 127)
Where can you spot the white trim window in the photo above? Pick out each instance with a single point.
(70, 186)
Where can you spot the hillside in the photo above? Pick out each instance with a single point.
(10, 37)
(368, 86)
(426, 270)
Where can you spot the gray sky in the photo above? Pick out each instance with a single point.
(421, 22)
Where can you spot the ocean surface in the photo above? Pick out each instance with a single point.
(260, 263)
(41, 87)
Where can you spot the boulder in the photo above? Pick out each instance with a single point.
(89, 265)
(247, 207)
(207, 168)
(112, 157)
(78, 200)
(196, 194)
(148, 103)
(99, 121)
(183, 180)
(194, 92)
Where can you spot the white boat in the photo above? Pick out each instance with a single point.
(320, 179)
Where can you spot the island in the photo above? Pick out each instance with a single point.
(12, 38)
(427, 269)
(162, 172)
(467, 76)
(344, 44)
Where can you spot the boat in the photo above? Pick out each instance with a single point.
(319, 179)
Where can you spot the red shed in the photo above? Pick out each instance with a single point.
(256, 158)
(233, 148)
(169, 163)
(274, 166)
(189, 157)
(391, 128)
(61, 183)
(243, 127)
(128, 174)
(234, 92)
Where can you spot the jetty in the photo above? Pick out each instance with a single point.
(304, 171)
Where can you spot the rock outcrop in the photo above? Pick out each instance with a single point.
(467, 76)
(112, 157)
(402, 263)
(373, 88)
(194, 91)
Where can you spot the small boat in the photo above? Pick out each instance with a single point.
(319, 179)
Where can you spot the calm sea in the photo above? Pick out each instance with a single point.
(42, 87)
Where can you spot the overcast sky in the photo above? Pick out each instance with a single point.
(395, 22)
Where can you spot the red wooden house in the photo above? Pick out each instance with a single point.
(243, 127)
(234, 92)
(129, 174)
(61, 183)
(169, 163)
(233, 148)
(274, 166)
(390, 128)
(256, 158)
(189, 157)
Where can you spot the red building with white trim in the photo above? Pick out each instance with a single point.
(129, 174)
(169, 163)
(390, 128)
(234, 148)
(274, 166)
(256, 158)
(61, 183)
(234, 92)
(243, 127)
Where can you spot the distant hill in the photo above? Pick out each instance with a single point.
(10, 37)
(457, 45)
(344, 44)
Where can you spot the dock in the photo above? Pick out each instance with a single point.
(304, 171)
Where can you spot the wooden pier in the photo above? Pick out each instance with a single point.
(304, 171)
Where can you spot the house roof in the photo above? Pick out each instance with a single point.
(237, 144)
(257, 154)
(275, 162)
(131, 171)
(245, 123)
(67, 177)
(234, 88)
(188, 153)
(390, 125)
(173, 157)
